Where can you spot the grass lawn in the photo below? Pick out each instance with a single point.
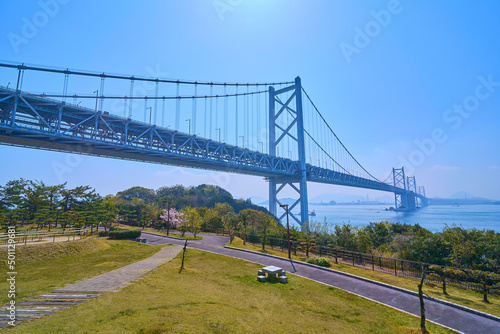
(50, 266)
(468, 298)
(218, 294)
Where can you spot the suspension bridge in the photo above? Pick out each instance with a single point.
(272, 130)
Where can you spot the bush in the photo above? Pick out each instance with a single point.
(320, 261)
(127, 234)
(103, 234)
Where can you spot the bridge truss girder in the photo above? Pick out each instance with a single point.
(37, 122)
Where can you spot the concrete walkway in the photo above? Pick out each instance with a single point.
(455, 318)
(77, 293)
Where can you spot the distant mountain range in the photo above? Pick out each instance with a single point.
(461, 198)
(328, 198)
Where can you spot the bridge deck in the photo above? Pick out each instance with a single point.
(33, 121)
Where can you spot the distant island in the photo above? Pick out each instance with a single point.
(461, 201)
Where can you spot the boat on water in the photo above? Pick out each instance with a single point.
(312, 213)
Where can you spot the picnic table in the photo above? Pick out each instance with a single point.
(271, 272)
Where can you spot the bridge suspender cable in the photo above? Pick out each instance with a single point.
(319, 113)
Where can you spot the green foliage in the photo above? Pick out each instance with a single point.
(124, 234)
(193, 220)
(203, 196)
(320, 261)
(33, 202)
(103, 234)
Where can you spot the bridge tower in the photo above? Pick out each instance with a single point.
(400, 199)
(412, 192)
(423, 199)
(277, 133)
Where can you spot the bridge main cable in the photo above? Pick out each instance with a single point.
(137, 78)
(148, 97)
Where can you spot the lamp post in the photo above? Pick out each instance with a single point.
(96, 98)
(168, 215)
(219, 134)
(150, 111)
(189, 120)
(287, 228)
(242, 141)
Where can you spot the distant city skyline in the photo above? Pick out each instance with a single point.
(396, 89)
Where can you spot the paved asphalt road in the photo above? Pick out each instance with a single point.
(457, 319)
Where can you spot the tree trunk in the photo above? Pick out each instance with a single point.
(485, 293)
(421, 298)
(183, 254)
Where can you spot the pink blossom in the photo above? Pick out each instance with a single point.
(176, 218)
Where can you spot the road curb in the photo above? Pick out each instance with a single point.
(165, 236)
(444, 302)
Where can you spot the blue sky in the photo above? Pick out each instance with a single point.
(389, 76)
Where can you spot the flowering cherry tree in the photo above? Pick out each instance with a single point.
(176, 218)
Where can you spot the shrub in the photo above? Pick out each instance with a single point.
(103, 233)
(127, 234)
(320, 261)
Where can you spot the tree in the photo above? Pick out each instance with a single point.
(266, 227)
(244, 225)
(193, 220)
(379, 233)
(223, 209)
(307, 243)
(421, 299)
(147, 195)
(183, 226)
(486, 279)
(172, 218)
(345, 237)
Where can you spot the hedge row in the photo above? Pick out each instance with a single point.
(127, 234)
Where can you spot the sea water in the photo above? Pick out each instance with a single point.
(433, 217)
